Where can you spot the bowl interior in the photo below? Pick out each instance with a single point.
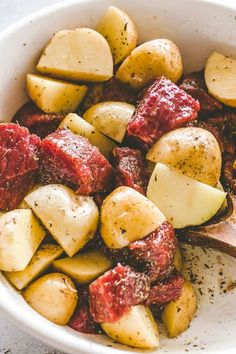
(197, 27)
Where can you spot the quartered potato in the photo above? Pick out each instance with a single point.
(220, 77)
(79, 126)
(178, 314)
(110, 118)
(55, 96)
(71, 219)
(178, 260)
(137, 328)
(41, 260)
(82, 54)
(54, 296)
(150, 60)
(20, 236)
(194, 152)
(120, 32)
(183, 200)
(93, 95)
(127, 216)
(84, 267)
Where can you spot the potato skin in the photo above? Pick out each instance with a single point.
(178, 314)
(54, 296)
(150, 60)
(127, 216)
(192, 151)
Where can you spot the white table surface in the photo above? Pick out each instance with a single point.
(13, 340)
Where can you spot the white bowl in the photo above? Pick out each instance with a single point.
(198, 27)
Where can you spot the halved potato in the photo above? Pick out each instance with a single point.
(150, 60)
(41, 260)
(20, 236)
(55, 96)
(183, 200)
(110, 118)
(220, 76)
(178, 260)
(84, 267)
(137, 328)
(53, 296)
(71, 219)
(120, 32)
(127, 216)
(82, 54)
(79, 126)
(192, 151)
(178, 314)
(93, 95)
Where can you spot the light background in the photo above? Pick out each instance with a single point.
(12, 340)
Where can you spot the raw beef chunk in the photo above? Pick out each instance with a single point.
(130, 169)
(71, 160)
(37, 121)
(164, 107)
(114, 293)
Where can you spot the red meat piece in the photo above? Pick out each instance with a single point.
(163, 108)
(194, 85)
(18, 151)
(166, 291)
(130, 169)
(153, 255)
(116, 91)
(37, 121)
(114, 293)
(81, 320)
(13, 191)
(71, 160)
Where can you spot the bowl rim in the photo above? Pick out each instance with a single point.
(21, 321)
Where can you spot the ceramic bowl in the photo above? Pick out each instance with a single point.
(198, 27)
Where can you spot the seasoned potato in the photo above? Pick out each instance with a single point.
(183, 200)
(137, 328)
(20, 236)
(194, 152)
(110, 118)
(178, 260)
(220, 76)
(150, 60)
(55, 96)
(84, 267)
(53, 296)
(41, 260)
(71, 219)
(178, 314)
(82, 54)
(79, 126)
(120, 32)
(93, 95)
(127, 216)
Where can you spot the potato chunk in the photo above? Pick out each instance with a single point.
(137, 328)
(53, 296)
(183, 200)
(220, 76)
(178, 314)
(194, 152)
(41, 260)
(127, 216)
(84, 267)
(71, 219)
(79, 126)
(120, 32)
(20, 236)
(159, 57)
(55, 96)
(82, 54)
(110, 118)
